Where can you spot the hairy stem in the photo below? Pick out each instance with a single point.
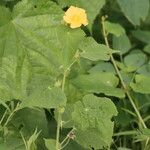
(132, 132)
(68, 136)
(58, 130)
(59, 119)
(68, 140)
(120, 77)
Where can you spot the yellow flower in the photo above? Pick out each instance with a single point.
(75, 17)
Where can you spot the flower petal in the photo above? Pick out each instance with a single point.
(75, 17)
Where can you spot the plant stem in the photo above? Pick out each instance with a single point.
(120, 77)
(146, 143)
(24, 141)
(3, 117)
(58, 130)
(132, 132)
(67, 136)
(59, 119)
(11, 115)
(68, 140)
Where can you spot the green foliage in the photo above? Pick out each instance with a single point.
(64, 88)
(33, 63)
(135, 60)
(142, 35)
(12, 143)
(141, 84)
(94, 51)
(50, 144)
(122, 43)
(91, 117)
(5, 15)
(134, 10)
(50, 98)
(114, 28)
(99, 83)
(30, 144)
(147, 49)
(145, 133)
(102, 67)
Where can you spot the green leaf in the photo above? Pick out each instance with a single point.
(122, 119)
(8, 0)
(37, 119)
(74, 145)
(72, 93)
(103, 67)
(134, 10)
(135, 60)
(141, 84)
(2, 3)
(146, 132)
(31, 141)
(142, 35)
(66, 116)
(8, 80)
(26, 8)
(31, 53)
(92, 7)
(143, 135)
(50, 144)
(87, 112)
(49, 98)
(122, 43)
(92, 119)
(143, 101)
(94, 51)
(5, 15)
(147, 49)
(16, 59)
(114, 28)
(12, 143)
(99, 83)
(123, 148)
(127, 76)
(145, 69)
(33, 93)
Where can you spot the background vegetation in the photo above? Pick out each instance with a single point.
(74, 89)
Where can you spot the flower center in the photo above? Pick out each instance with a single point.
(76, 19)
